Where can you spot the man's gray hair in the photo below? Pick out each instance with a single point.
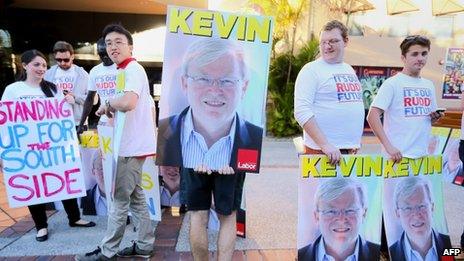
(407, 186)
(208, 50)
(333, 188)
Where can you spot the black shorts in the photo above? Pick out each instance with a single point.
(199, 187)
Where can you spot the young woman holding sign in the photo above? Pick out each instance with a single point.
(31, 85)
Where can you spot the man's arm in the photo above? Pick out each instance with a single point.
(80, 92)
(373, 118)
(316, 134)
(88, 104)
(125, 103)
(305, 91)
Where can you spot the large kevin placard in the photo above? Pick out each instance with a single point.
(339, 207)
(413, 210)
(454, 73)
(38, 147)
(214, 85)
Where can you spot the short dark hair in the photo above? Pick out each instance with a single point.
(118, 28)
(336, 24)
(62, 46)
(414, 40)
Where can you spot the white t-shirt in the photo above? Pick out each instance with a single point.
(65, 80)
(22, 90)
(332, 94)
(138, 137)
(102, 79)
(407, 102)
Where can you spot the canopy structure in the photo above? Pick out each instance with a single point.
(400, 6)
(350, 6)
(445, 7)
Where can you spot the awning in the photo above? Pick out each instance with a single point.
(400, 6)
(351, 6)
(444, 7)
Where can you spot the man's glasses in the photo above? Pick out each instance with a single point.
(202, 81)
(59, 60)
(116, 43)
(331, 213)
(418, 209)
(330, 42)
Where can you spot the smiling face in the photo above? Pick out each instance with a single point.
(214, 90)
(415, 58)
(36, 68)
(340, 219)
(332, 46)
(171, 177)
(415, 214)
(117, 47)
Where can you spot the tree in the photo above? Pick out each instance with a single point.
(287, 15)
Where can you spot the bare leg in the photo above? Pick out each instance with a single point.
(227, 234)
(199, 234)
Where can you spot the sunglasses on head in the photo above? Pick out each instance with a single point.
(66, 60)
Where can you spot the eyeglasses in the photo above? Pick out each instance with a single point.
(115, 43)
(418, 209)
(59, 60)
(330, 42)
(225, 83)
(331, 213)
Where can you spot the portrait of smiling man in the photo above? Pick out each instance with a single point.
(414, 207)
(340, 210)
(206, 139)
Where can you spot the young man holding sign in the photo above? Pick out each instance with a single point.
(408, 103)
(326, 91)
(137, 142)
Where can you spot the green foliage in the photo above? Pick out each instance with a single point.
(280, 119)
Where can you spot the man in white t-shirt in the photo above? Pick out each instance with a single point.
(68, 77)
(328, 99)
(408, 104)
(137, 142)
(102, 80)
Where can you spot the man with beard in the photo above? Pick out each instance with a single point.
(69, 78)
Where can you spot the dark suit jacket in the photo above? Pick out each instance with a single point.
(397, 249)
(367, 251)
(169, 152)
(88, 203)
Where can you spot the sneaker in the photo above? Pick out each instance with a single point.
(134, 251)
(95, 255)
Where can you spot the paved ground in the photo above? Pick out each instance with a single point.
(271, 199)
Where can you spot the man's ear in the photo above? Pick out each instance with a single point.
(183, 82)
(397, 212)
(71, 58)
(345, 42)
(403, 58)
(364, 213)
(316, 216)
(244, 88)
